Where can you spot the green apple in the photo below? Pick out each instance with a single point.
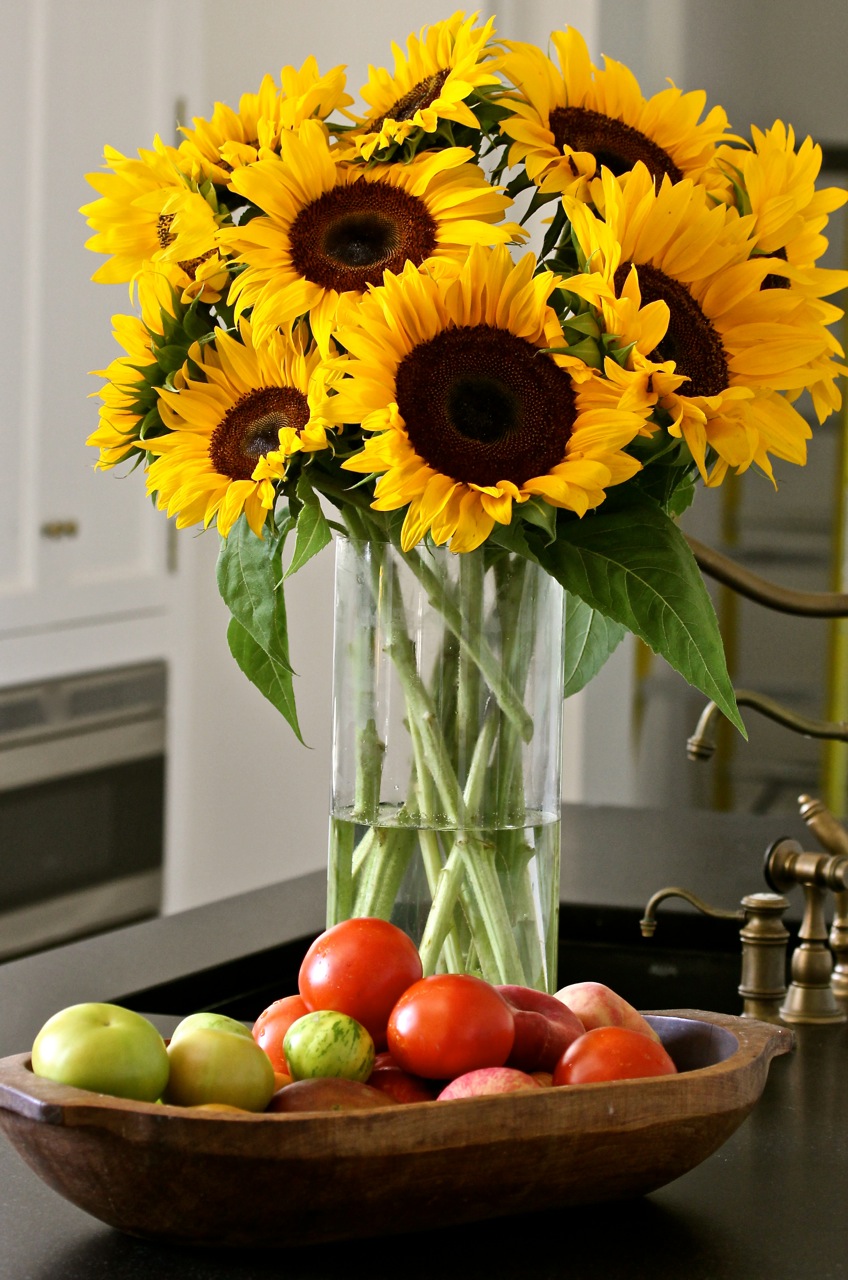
(213, 1064)
(104, 1048)
(217, 1021)
(326, 1043)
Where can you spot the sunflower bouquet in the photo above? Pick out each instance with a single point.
(339, 328)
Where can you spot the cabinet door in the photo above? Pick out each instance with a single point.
(74, 74)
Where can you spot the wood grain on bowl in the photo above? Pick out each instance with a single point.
(203, 1177)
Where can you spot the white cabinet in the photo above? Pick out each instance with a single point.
(76, 547)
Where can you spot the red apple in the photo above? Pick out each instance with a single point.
(488, 1080)
(544, 1028)
(600, 1006)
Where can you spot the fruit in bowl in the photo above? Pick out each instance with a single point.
(327, 1043)
(449, 1035)
(104, 1048)
(214, 1064)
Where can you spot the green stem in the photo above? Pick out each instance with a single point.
(431, 857)
(468, 881)
(380, 880)
(475, 646)
(370, 752)
(340, 877)
(469, 685)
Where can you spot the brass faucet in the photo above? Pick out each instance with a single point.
(832, 836)
(702, 743)
(807, 604)
(810, 997)
(764, 938)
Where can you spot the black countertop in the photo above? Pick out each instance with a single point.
(770, 1203)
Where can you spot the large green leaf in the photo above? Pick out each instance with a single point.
(250, 582)
(312, 529)
(635, 567)
(590, 638)
(270, 677)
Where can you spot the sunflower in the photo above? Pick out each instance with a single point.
(470, 412)
(333, 228)
(736, 343)
(774, 184)
(442, 67)
(149, 211)
(120, 421)
(572, 120)
(230, 139)
(777, 186)
(255, 405)
(127, 393)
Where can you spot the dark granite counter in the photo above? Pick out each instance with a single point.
(771, 1202)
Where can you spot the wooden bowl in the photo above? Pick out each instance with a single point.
(255, 1180)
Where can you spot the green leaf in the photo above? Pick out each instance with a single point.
(512, 537)
(635, 567)
(585, 324)
(681, 497)
(272, 679)
(541, 514)
(249, 576)
(590, 639)
(171, 358)
(312, 529)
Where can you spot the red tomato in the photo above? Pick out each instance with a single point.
(269, 1029)
(612, 1053)
(360, 967)
(449, 1024)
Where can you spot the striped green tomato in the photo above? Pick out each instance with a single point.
(326, 1043)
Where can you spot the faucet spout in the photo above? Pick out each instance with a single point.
(648, 923)
(702, 744)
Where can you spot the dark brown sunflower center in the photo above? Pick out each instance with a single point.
(482, 405)
(251, 428)
(163, 230)
(421, 95)
(690, 340)
(612, 142)
(348, 237)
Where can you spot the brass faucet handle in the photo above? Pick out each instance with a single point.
(787, 865)
(829, 832)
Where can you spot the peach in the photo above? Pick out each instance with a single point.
(599, 1006)
(399, 1085)
(328, 1093)
(544, 1028)
(488, 1080)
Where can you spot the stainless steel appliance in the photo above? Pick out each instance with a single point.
(82, 788)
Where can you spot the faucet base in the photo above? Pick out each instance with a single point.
(810, 1003)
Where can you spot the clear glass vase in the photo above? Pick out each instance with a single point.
(447, 723)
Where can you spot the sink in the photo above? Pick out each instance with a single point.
(687, 965)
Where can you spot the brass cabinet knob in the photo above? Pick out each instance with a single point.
(55, 529)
